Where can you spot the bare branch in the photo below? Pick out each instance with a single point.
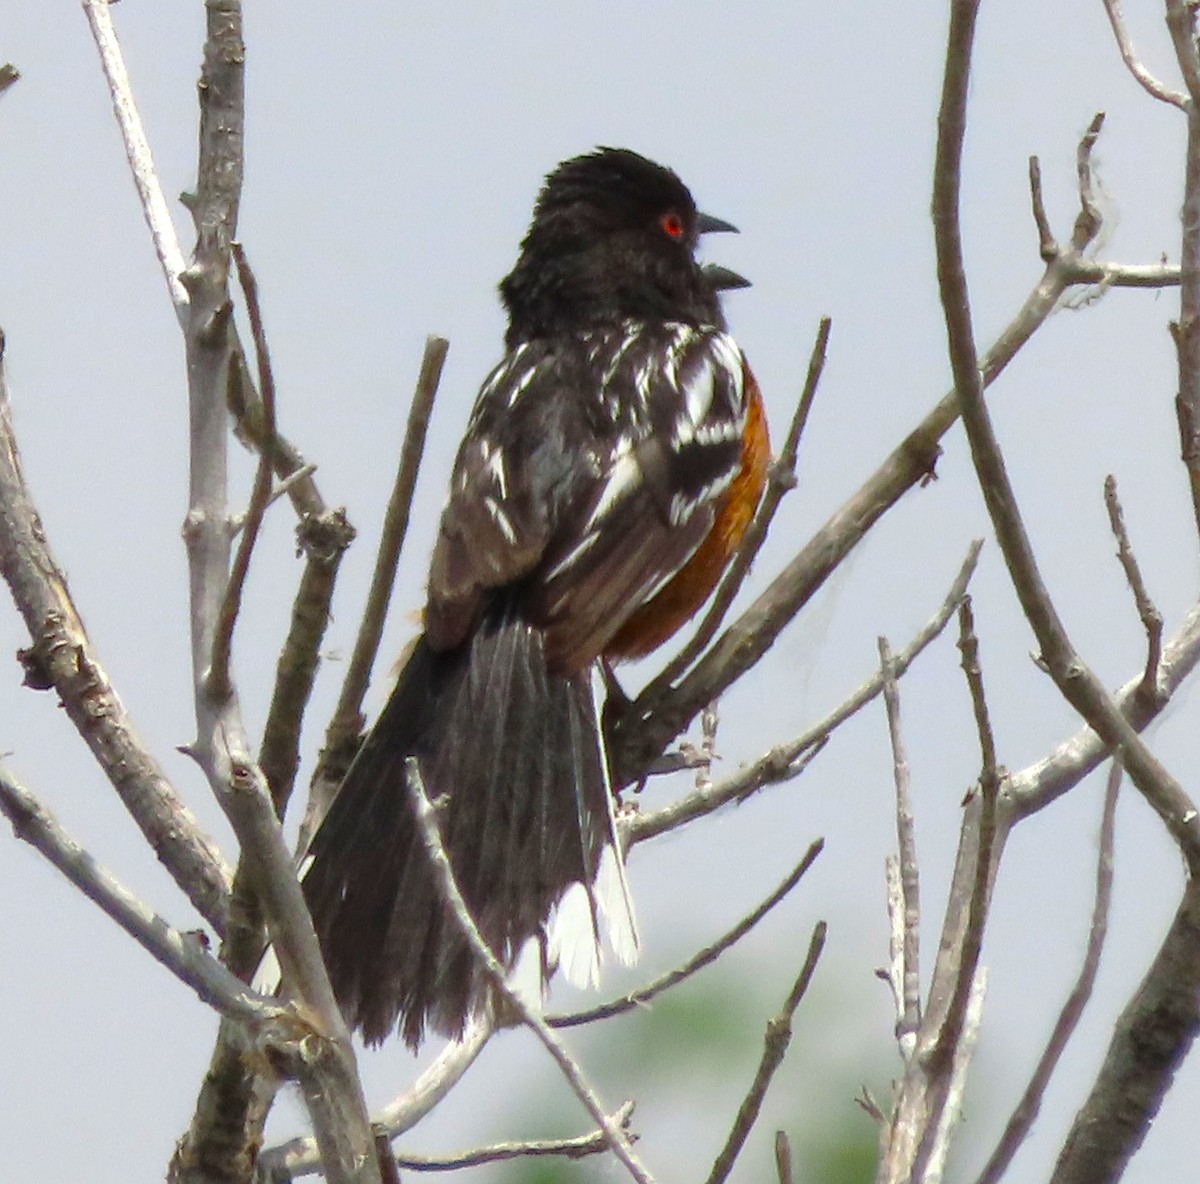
(955, 1018)
(326, 1071)
(1151, 618)
(1151, 85)
(219, 685)
(575, 1148)
(789, 760)
(137, 149)
(1048, 779)
(775, 1044)
(301, 1156)
(183, 954)
(1181, 23)
(1152, 1036)
(61, 656)
(908, 956)
(1077, 683)
(1028, 1107)
(705, 957)
(431, 838)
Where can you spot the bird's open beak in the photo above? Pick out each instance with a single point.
(707, 224)
(722, 279)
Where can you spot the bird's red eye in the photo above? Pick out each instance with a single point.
(672, 225)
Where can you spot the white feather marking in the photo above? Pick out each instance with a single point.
(525, 977)
(616, 907)
(500, 518)
(580, 548)
(572, 941)
(613, 900)
(623, 475)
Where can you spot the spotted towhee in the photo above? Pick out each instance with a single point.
(611, 465)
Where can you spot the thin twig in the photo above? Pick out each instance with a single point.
(788, 760)
(575, 1148)
(782, 480)
(137, 148)
(909, 954)
(775, 1044)
(182, 954)
(950, 1031)
(1151, 85)
(705, 957)
(1027, 1109)
(395, 527)
(219, 685)
(783, 1158)
(431, 839)
(346, 724)
(1148, 613)
(1047, 244)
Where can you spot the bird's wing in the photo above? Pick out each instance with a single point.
(591, 471)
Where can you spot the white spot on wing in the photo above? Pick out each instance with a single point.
(623, 476)
(501, 519)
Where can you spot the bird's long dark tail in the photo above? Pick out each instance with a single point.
(513, 758)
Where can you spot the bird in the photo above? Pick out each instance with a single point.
(610, 467)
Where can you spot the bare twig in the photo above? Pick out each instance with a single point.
(705, 957)
(219, 685)
(137, 149)
(575, 1148)
(182, 954)
(781, 480)
(909, 978)
(1077, 683)
(1027, 1108)
(788, 760)
(1151, 618)
(1181, 21)
(431, 838)
(775, 1044)
(783, 1158)
(1151, 85)
(345, 726)
(951, 1027)
(61, 655)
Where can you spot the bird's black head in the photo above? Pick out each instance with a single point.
(613, 237)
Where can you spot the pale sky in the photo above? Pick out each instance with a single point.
(393, 153)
